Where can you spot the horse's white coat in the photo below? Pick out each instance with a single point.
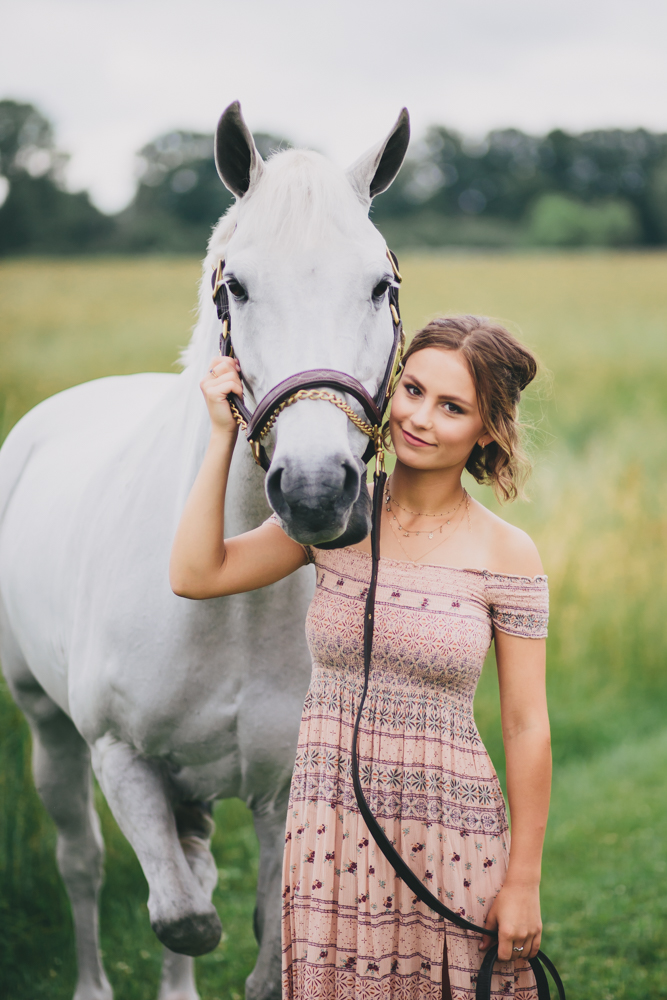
(177, 702)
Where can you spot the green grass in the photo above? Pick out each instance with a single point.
(597, 512)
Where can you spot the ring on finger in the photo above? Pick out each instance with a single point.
(518, 949)
(212, 373)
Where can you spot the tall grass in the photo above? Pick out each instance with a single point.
(597, 513)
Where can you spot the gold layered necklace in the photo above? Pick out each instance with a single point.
(389, 500)
(400, 532)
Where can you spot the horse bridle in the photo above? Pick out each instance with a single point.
(314, 385)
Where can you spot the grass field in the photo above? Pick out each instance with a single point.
(597, 512)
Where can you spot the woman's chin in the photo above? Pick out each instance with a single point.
(415, 458)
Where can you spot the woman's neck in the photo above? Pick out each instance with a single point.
(426, 491)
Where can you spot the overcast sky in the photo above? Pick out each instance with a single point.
(332, 74)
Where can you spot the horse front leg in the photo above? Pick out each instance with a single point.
(195, 826)
(264, 982)
(180, 908)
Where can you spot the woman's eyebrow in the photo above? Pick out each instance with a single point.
(455, 399)
(448, 396)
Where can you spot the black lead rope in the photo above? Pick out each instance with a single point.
(402, 869)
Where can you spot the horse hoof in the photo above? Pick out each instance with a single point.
(194, 934)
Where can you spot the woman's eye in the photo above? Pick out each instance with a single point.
(412, 390)
(380, 289)
(453, 408)
(236, 288)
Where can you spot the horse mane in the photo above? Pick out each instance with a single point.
(301, 198)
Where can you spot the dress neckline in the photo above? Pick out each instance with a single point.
(538, 578)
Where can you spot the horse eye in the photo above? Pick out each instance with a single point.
(380, 289)
(236, 288)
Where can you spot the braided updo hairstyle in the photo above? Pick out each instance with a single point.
(501, 368)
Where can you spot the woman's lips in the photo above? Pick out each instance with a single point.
(415, 441)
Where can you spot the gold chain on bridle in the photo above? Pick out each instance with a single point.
(328, 397)
(369, 430)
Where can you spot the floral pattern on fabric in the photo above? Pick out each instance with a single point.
(351, 929)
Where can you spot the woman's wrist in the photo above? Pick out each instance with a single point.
(223, 438)
(522, 879)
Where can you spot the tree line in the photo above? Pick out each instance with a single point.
(598, 188)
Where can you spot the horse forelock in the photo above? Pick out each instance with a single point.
(301, 200)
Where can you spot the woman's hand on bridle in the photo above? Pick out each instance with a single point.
(222, 378)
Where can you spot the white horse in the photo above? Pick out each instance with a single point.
(177, 703)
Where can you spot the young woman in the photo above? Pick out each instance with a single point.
(452, 577)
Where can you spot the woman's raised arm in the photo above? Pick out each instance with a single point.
(202, 563)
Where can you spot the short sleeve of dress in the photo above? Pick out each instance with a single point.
(519, 605)
(310, 554)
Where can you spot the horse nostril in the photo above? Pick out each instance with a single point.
(274, 489)
(351, 482)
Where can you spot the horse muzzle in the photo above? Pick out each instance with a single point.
(328, 506)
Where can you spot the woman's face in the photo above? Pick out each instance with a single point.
(435, 420)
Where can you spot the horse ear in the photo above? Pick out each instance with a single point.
(239, 164)
(375, 170)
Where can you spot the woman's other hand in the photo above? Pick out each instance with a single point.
(515, 914)
(222, 378)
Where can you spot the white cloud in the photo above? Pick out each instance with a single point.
(114, 73)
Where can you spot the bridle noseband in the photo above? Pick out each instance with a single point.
(316, 383)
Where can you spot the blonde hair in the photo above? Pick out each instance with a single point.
(501, 368)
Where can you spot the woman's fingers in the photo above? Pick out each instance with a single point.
(225, 383)
(515, 916)
(223, 366)
(492, 923)
(506, 944)
(224, 372)
(223, 377)
(534, 946)
(512, 946)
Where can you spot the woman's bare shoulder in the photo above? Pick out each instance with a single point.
(509, 549)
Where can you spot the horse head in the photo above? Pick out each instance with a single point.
(307, 276)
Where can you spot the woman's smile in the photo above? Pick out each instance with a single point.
(415, 441)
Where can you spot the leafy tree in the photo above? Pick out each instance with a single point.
(604, 187)
(38, 215)
(504, 177)
(179, 196)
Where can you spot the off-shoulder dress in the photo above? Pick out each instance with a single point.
(350, 928)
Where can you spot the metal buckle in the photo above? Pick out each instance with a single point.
(379, 449)
(218, 283)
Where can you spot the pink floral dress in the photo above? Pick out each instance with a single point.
(351, 929)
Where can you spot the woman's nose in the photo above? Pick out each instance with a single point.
(422, 416)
